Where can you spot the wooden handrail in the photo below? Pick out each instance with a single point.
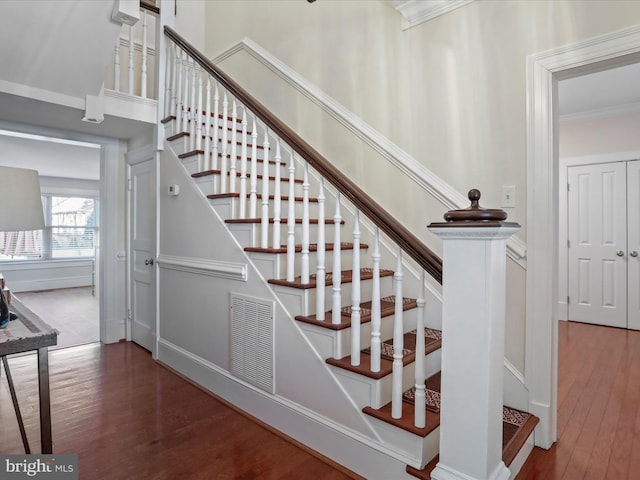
(409, 243)
(149, 6)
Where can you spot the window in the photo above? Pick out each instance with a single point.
(71, 226)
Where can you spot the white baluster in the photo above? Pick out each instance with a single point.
(336, 298)
(420, 399)
(192, 109)
(185, 95)
(130, 86)
(376, 319)
(277, 198)
(174, 68)
(291, 221)
(320, 255)
(253, 182)
(264, 222)
(116, 67)
(398, 344)
(167, 81)
(198, 121)
(214, 125)
(304, 258)
(355, 294)
(243, 167)
(225, 143)
(143, 70)
(207, 126)
(179, 97)
(233, 158)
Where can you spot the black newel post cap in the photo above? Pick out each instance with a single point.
(474, 215)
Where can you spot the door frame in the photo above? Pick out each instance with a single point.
(563, 218)
(544, 70)
(139, 155)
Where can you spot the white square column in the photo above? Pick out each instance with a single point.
(474, 268)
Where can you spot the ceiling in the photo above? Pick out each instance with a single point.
(608, 92)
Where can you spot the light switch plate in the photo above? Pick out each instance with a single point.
(508, 196)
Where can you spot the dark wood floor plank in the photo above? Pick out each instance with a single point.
(127, 416)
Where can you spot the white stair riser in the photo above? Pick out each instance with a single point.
(207, 187)
(336, 343)
(367, 391)
(275, 265)
(303, 301)
(248, 234)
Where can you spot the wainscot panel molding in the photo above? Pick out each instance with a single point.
(425, 178)
(201, 266)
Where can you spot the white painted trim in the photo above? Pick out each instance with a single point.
(415, 12)
(42, 95)
(203, 266)
(543, 71)
(425, 178)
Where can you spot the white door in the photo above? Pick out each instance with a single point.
(142, 253)
(598, 244)
(633, 242)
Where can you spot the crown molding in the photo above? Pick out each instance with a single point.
(415, 12)
(606, 112)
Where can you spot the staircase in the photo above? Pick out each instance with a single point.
(354, 280)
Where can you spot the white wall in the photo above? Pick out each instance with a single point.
(451, 92)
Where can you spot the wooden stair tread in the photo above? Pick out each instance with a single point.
(346, 277)
(313, 247)
(283, 221)
(193, 153)
(259, 177)
(387, 308)
(513, 438)
(284, 198)
(386, 364)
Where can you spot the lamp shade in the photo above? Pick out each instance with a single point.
(20, 201)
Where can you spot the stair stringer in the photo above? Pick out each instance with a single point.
(196, 347)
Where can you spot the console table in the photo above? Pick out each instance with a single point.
(26, 333)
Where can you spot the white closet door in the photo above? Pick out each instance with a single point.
(633, 242)
(598, 244)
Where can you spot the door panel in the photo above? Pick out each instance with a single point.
(633, 242)
(597, 233)
(142, 234)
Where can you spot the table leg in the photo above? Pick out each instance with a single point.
(16, 406)
(45, 403)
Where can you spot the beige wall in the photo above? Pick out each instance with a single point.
(450, 92)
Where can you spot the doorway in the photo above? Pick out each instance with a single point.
(544, 70)
(603, 225)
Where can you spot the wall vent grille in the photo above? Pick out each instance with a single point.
(252, 340)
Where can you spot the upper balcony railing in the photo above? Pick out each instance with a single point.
(134, 56)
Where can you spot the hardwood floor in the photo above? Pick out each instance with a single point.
(598, 407)
(127, 416)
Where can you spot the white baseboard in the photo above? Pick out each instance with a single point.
(284, 416)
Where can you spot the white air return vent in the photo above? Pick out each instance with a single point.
(252, 340)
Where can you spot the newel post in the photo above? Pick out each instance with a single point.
(473, 319)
